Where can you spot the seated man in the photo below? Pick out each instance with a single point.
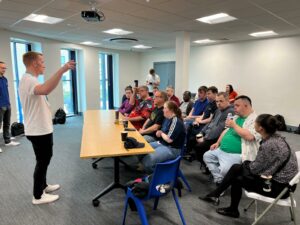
(237, 143)
(126, 107)
(171, 97)
(212, 131)
(209, 109)
(143, 107)
(198, 108)
(187, 104)
(206, 117)
(154, 122)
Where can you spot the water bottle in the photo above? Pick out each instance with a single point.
(229, 117)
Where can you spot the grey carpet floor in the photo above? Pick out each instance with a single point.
(80, 183)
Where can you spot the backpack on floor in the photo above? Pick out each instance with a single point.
(17, 129)
(60, 117)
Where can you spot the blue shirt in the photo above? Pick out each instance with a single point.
(199, 107)
(4, 96)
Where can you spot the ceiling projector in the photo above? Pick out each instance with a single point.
(92, 16)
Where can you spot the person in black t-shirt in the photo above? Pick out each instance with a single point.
(171, 138)
(154, 122)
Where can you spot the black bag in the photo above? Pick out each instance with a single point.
(282, 126)
(60, 117)
(17, 129)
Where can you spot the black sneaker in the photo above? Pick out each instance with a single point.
(228, 212)
(211, 199)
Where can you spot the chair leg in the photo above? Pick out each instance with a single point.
(270, 206)
(155, 203)
(248, 206)
(125, 211)
(180, 174)
(178, 207)
(142, 213)
(292, 208)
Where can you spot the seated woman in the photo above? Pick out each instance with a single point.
(274, 158)
(171, 138)
(232, 93)
(126, 107)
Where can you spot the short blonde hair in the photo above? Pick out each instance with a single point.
(29, 57)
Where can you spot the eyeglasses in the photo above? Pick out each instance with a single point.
(157, 96)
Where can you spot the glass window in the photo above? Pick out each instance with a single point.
(17, 50)
(67, 83)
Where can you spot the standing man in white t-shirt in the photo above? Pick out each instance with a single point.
(38, 120)
(152, 80)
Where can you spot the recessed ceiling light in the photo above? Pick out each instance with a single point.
(43, 19)
(142, 46)
(216, 18)
(89, 43)
(118, 31)
(263, 33)
(204, 41)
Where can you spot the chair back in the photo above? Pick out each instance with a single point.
(164, 173)
(296, 178)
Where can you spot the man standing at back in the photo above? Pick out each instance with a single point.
(38, 120)
(5, 111)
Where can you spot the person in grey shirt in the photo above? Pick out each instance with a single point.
(212, 130)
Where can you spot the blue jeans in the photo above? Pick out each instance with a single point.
(219, 162)
(162, 153)
(149, 138)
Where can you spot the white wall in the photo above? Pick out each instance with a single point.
(88, 70)
(265, 70)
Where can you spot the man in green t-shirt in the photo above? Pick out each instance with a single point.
(236, 143)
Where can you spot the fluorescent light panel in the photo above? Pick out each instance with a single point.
(89, 43)
(204, 41)
(263, 33)
(43, 19)
(142, 46)
(216, 18)
(118, 31)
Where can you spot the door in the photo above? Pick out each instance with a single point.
(166, 72)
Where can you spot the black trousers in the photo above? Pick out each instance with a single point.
(43, 149)
(252, 183)
(5, 113)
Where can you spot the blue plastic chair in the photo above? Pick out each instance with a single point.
(164, 173)
(180, 175)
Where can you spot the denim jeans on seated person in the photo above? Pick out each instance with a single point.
(162, 153)
(219, 162)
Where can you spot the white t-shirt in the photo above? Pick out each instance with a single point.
(152, 79)
(36, 108)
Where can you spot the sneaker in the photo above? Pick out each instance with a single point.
(0, 150)
(45, 198)
(13, 143)
(51, 188)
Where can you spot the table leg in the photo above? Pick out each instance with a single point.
(114, 185)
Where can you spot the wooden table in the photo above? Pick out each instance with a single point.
(101, 138)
